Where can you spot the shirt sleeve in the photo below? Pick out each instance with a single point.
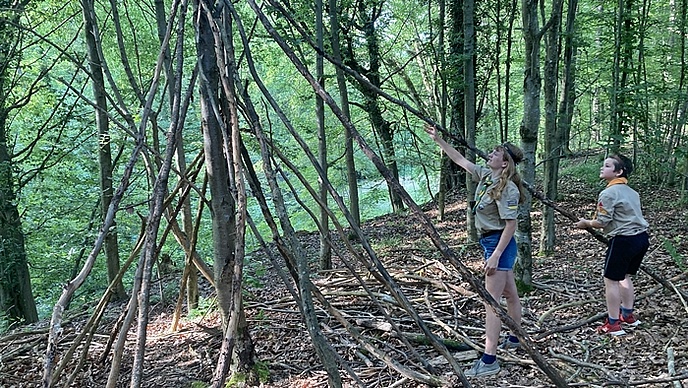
(508, 203)
(605, 208)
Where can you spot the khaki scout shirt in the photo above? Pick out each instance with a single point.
(490, 214)
(619, 211)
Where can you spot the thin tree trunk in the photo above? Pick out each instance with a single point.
(529, 136)
(173, 83)
(551, 144)
(92, 36)
(443, 64)
(222, 145)
(369, 13)
(623, 57)
(568, 95)
(16, 297)
(325, 250)
(453, 177)
(351, 176)
(470, 119)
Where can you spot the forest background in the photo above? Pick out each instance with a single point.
(137, 135)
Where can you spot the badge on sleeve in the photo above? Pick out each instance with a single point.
(601, 209)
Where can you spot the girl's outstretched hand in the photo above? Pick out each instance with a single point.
(431, 130)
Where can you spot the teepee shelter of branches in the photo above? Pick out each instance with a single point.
(239, 158)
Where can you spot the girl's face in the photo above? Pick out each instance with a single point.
(607, 171)
(495, 159)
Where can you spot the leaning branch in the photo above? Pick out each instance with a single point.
(447, 252)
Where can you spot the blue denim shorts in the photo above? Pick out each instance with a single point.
(508, 258)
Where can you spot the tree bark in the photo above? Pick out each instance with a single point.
(222, 150)
(111, 246)
(325, 249)
(529, 136)
(568, 95)
(469, 103)
(551, 144)
(452, 176)
(351, 176)
(16, 298)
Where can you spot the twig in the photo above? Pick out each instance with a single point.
(678, 378)
(563, 306)
(671, 365)
(572, 326)
(581, 363)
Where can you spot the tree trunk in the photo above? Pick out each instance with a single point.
(370, 12)
(551, 143)
(443, 64)
(529, 136)
(623, 57)
(504, 87)
(222, 145)
(111, 247)
(452, 176)
(192, 293)
(16, 298)
(469, 103)
(351, 176)
(568, 95)
(222, 204)
(325, 249)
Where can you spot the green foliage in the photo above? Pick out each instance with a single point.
(198, 384)
(260, 371)
(586, 170)
(670, 247)
(205, 305)
(523, 288)
(263, 370)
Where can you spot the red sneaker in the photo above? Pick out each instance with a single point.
(629, 320)
(613, 329)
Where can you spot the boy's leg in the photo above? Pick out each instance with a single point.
(612, 294)
(627, 293)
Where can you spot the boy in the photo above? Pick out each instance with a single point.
(620, 217)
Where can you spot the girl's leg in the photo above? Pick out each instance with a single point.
(495, 285)
(513, 301)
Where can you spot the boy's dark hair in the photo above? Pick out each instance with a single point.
(623, 164)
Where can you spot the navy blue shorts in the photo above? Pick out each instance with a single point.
(624, 255)
(508, 259)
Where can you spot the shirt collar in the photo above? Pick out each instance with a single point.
(617, 181)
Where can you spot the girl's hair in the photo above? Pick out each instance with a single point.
(512, 155)
(623, 164)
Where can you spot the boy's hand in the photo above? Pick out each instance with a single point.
(582, 224)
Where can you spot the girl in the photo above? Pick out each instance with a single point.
(497, 197)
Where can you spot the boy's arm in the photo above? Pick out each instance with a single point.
(585, 224)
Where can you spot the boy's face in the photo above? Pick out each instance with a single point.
(607, 171)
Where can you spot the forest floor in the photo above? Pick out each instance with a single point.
(560, 314)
